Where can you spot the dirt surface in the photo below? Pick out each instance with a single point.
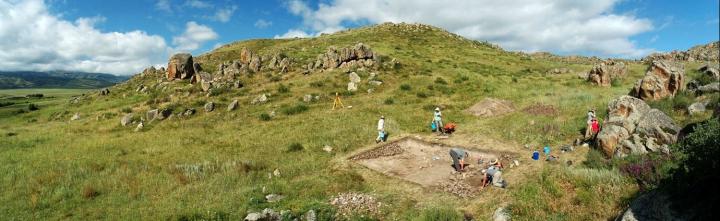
(541, 109)
(427, 164)
(490, 107)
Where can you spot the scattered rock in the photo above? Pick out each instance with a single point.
(139, 127)
(189, 111)
(355, 203)
(490, 107)
(151, 114)
(261, 99)
(140, 88)
(209, 107)
(276, 172)
(274, 198)
(354, 77)
(375, 83)
(310, 216)
(76, 116)
(696, 108)
(327, 148)
(352, 86)
(708, 52)
(390, 149)
(127, 119)
(629, 116)
(602, 74)
(709, 88)
(180, 66)
(501, 214)
(308, 98)
(105, 92)
(232, 105)
(662, 79)
(266, 215)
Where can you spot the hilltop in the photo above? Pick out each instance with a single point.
(57, 79)
(250, 126)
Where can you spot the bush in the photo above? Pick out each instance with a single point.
(4, 104)
(421, 95)
(126, 110)
(33, 107)
(292, 110)
(389, 101)
(264, 117)
(294, 147)
(405, 87)
(440, 80)
(283, 89)
(615, 82)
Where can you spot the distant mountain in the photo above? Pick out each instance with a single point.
(57, 79)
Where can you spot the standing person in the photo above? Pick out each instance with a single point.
(458, 157)
(437, 120)
(588, 129)
(381, 130)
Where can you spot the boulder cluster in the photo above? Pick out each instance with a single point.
(602, 74)
(633, 127)
(662, 79)
(708, 52)
(351, 57)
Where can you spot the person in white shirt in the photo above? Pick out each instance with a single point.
(588, 130)
(381, 130)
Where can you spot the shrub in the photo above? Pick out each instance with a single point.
(283, 89)
(421, 94)
(405, 87)
(440, 80)
(389, 101)
(265, 117)
(4, 104)
(296, 109)
(32, 107)
(439, 214)
(615, 82)
(126, 110)
(294, 147)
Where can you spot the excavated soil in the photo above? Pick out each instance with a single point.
(490, 107)
(427, 164)
(541, 109)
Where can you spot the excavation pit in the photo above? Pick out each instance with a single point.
(427, 164)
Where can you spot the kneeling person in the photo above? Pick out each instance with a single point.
(492, 175)
(458, 157)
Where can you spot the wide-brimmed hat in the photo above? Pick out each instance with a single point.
(494, 161)
(382, 117)
(437, 109)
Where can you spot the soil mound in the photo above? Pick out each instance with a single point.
(490, 107)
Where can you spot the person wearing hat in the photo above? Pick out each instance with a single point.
(496, 163)
(437, 120)
(381, 130)
(458, 157)
(588, 130)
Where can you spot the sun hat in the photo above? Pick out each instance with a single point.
(437, 108)
(382, 117)
(494, 161)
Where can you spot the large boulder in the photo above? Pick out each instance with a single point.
(602, 74)
(710, 70)
(633, 127)
(662, 79)
(180, 66)
(650, 206)
(357, 56)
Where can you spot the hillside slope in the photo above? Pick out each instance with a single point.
(56, 79)
(222, 164)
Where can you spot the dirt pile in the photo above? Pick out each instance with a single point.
(355, 203)
(391, 149)
(541, 109)
(490, 107)
(459, 185)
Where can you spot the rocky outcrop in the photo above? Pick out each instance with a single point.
(662, 79)
(712, 71)
(602, 74)
(633, 127)
(650, 206)
(352, 57)
(180, 66)
(280, 63)
(708, 52)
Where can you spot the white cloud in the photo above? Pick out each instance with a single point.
(194, 36)
(31, 38)
(294, 33)
(224, 14)
(561, 26)
(198, 4)
(163, 5)
(262, 23)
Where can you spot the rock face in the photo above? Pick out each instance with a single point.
(708, 52)
(352, 57)
(662, 79)
(180, 66)
(633, 127)
(490, 107)
(712, 71)
(602, 74)
(650, 206)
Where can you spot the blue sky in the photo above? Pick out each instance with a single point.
(122, 37)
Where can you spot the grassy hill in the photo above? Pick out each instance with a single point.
(218, 165)
(56, 79)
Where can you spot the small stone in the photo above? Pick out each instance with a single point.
(209, 107)
(139, 127)
(232, 105)
(310, 215)
(352, 86)
(327, 148)
(274, 197)
(276, 172)
(126, 119)
(76, 116)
